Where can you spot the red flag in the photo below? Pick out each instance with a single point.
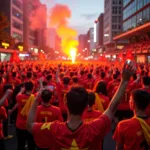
(14, 57)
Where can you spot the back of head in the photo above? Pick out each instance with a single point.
(77, 99)
(115, 76)
(81, 72)
(46, 95)
(91, 99)
(71, 74)
(29, 75)
(134, 76)
(14, 74)
(89, 76)
(101, 88)
(103, 74)
(49, 77)
(146, 80)
(141, 99)
(66, 80)
(28, 86)
(75, 79)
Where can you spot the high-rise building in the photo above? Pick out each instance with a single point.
(91, 40)
(112, 21)
(82, 43)
(136, 28)
(13, 10)
(99, 33)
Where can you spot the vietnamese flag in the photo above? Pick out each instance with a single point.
(41, 56)
(14, 57)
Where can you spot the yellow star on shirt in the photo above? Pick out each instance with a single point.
(74, 146)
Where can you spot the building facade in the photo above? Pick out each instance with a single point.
(91, 41)
(82, 39)
(112, 21)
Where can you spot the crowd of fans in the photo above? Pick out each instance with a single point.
(72, 106)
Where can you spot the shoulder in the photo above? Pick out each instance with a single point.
(55, 108)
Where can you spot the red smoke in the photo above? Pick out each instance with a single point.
(59, 19)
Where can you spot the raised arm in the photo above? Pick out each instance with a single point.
(127, 72)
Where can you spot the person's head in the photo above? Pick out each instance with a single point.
(28, 86)
(103, 74)
(101, 88)
(89, 76)
(75, 79)
(71, 74)
(29, 75)
(46, 95)
(77, 100)
(91, 99)
(81, 72)
(14, 74)
(49, 77)
(115, 76)
(44, 83)
(146, 81)
(139, 100)
(66, 80)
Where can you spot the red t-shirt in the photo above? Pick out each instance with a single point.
(105, 101)
(21, 120)
(89, 84)
(59, 136)
(3, 116)
(14, 81)
(90, 115)
(129, 133)
(48, 114)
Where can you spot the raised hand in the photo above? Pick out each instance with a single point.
(128, 70)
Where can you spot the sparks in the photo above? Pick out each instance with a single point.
(73, 54)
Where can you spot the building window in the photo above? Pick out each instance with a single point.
(17, 36)
(17, 14)
(17, 25)
(18, 4)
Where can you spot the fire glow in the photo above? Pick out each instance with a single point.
(73, 52)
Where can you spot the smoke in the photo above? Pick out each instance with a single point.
(59, 16)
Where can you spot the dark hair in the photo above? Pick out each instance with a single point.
(14, 74)
(77, 99)
(103, 74)
(75, 79)
(71, 74)
(115, 76)
(28, 86)
(91, 99)
(66, 80)
(81, 72)
(141, 99)
(101, 88)
(89, 76)
(146, 80)
(49, 77)
(46, 95)
(6, 87)
(44, 83)
(29, 75)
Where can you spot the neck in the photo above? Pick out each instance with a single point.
(90, 108)
(139, 113)
(46, 104)
(74, 121)
(146, 87)
(28, 93)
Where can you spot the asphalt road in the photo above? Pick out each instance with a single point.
(109, 144)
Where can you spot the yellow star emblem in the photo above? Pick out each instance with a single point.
(74, 146)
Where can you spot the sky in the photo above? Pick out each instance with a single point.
(84, 12)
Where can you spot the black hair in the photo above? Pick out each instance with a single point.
(146, 80)
(77, 100)
(101, 88)
(44, 83)
(66, 80)
(49, 77)
(115, 76)
(71, 74)
(141, 99)
(28, 86)
(75, 79)
(14, 74)
(46, 95)
(29, 75)
(103, 74)
(91, 99)
(81, 72)
(89, 76)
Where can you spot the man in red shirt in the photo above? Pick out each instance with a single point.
(132, 134)
(3, 116)
(74, 134)
(46, 112)
(89, 83)
(22, 134)
(90, 114)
